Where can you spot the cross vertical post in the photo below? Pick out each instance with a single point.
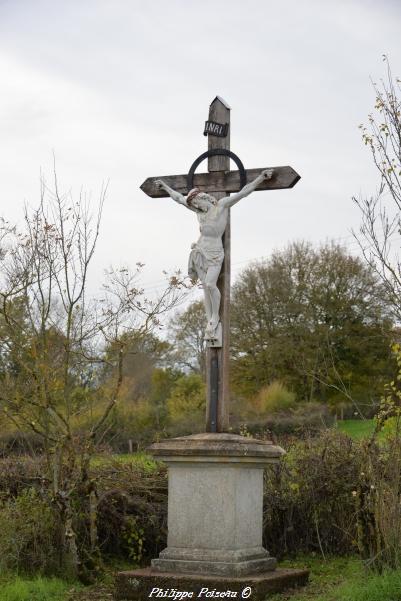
(217, 359)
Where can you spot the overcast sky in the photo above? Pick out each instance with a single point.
(120, 90)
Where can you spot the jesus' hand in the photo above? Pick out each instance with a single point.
(267, 173)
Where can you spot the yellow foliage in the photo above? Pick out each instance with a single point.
(274, 397)
(187, 397)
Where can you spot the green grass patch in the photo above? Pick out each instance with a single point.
(371, 587)
(141, 459)
(356, 428)
(38, 589)
(325, 577)
(342, 579)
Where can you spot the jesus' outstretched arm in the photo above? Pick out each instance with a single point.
(229, 201)
(177, 196)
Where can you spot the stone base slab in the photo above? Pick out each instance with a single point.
(140, 585)
(214, 562)
(205, 554)
(215, 568)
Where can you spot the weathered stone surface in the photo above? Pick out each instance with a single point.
(194, 554)
(217, 447)
(137, 585)
(215, 568)
(215, 504)
(214, 512)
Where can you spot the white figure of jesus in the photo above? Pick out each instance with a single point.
(207, 253)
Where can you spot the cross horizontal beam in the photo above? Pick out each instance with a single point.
(220, 181)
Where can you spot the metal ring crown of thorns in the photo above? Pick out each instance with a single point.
(212, 153)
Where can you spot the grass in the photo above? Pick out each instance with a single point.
(37, 589)
(325, 577)
(139, 459)
(342, 579)
(379, 587)
(356, 428)
(333, 579)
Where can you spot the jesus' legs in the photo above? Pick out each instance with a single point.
(213, 293)
(207, 302)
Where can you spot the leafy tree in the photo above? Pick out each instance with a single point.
(187, 331)
(315, 319)
(144, 353)
(163, 383)
(186, 404)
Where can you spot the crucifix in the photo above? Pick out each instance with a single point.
(208, 195)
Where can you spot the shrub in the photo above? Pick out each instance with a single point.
(305, 419)
(27, 541)
(378, 501)
(19, 473)
(378, 494)
(137, 422)
(309, 502)
(330, 494)
(187, 397)
(132, 510)
(186, 405)
(20, 443)
(275, 397)
(392, 428)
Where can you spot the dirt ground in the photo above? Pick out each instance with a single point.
(93, 593)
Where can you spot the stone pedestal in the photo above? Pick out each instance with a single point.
(215, 505)
(215, 519)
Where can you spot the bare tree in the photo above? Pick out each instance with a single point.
(53, 341)
(380, 231)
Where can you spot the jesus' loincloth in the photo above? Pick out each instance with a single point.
(200, 259)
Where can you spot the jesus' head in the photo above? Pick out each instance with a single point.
(200, 201)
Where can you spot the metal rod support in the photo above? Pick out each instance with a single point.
(214, 391)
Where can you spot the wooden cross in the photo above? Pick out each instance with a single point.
(220, 182)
